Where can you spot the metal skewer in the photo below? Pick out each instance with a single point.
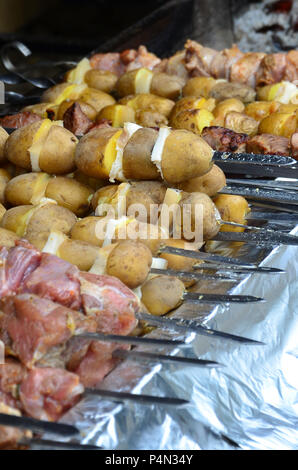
(262, 194)
(37, 425)
(55, 445)
(258, 238)
(185, 326)
(143, 399)
(133, 340)
(252, 158)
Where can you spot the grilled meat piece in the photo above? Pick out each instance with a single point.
(225, 140)
(268, 144)
(222, 62)
(198, 59)
(76, 121)
(245, 69)
(272, 69)
(291, 71)
(47, 393)
(16, 265)
(36, 325)
(19, 119)
(129, 59)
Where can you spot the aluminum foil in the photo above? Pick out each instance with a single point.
(251, 402)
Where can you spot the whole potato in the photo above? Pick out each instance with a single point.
(3, 138)
(206, 220)
(69, 193)
(134, 81)
(209, 184)
(161, 294)
(283, 124)
(136, 161)
(79, 253)
(167, 86)
(56, 147)
(96, 98)
(7, 237)
(194, 120)
(185, 155)
(103, 80)
(16, 218)
(199, 86)
(45, 219)
(224, 90)
(118, 114)
(85, 230)
(232, 209)
(28, 188)
(96, 152)
(149, 102)
(130, 261)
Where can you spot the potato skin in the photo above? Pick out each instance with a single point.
(283, 124)
(4, 179)
(224, 90)
(104, 195)
(90, 150)
(224, 107)
(240, 122)
(161, 294)
(180, 263)
(2, 212)
(3, 138)
(130, 261)
(146, 193)
(51, 94)
(149, 102)
(45, 219)
(137, 162)
(211, 224)
(57, 154)
(150, 118)
(261, 109)
(167, 86)
(199, 86)
(185, 155)
(21, 189)
(118, 114)
(12, 219)
(85, 230)
(71, 194)
(193, 120)
(103, 80)
(232, 209)
(18, 143)
(7, 238)
(79, 253)
(97, 99)
(209, 184)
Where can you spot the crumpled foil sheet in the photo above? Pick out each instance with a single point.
(249, 403)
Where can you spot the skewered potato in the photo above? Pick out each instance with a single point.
(223, 90)
(42, 146)
(118, 114)
(180, 263)
(161, 294)
(199, 86)
(193, 120)
(130, 261)
(143, 80)
(205, 217)
(150, 118)
(232, 209)
(283, 124)
(148, 102)
(210, 183)
(176, 155)
(2, 211)
(36, 222)
(26, 189)
(190, 103)
(103, 80)
(41, 109)
(70, 194)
